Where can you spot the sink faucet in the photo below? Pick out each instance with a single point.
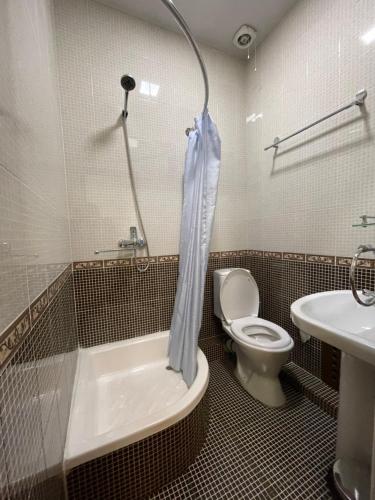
(369, 295)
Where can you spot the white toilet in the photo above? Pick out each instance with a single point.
(261, 346)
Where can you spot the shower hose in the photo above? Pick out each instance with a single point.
(144, 268)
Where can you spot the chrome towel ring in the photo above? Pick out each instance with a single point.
(370, 296)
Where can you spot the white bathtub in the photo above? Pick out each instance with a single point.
(123, 393)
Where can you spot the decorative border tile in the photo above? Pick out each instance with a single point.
(145, 260)
(300, 257)
(347, 261)
(87, 264)
(291, 256)
(320, 259)
(168, 258)
(256, 253)
(229, 253)
(243, 253)
(273, 255)
(13, 336)
(118, 262)
(56, 285)
(39, 306)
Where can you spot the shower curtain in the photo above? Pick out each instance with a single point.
(201, 175)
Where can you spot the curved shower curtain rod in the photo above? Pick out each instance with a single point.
(185, 28)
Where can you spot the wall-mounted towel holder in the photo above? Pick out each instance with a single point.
(358, 101)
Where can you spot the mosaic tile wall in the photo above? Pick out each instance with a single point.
(306, 196)
(141, 469)
(37, 325)
(96, 46)
(114, 301)
(34, 230)
(37, 366)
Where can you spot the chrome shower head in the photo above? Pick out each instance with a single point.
(127, 83)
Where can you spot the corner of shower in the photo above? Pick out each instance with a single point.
(134, 243)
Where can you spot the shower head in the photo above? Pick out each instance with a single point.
(127, 83)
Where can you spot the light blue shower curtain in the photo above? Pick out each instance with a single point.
(201, 175)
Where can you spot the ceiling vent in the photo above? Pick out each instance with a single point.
(244, 37)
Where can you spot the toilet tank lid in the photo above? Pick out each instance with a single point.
(239, 295)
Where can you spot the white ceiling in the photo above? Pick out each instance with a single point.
(213, 22)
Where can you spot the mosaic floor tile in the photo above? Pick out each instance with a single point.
(257, 452)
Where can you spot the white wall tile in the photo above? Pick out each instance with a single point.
(34, 224)
(96, 46)
(312, 63)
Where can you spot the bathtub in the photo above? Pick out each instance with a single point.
(123, 398)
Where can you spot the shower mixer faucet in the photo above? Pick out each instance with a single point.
(134, 241)
(131, 244)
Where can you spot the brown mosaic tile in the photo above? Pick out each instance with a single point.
(116, 302)
(143, 302)
(142, 468)
(36, 382)
(256, 452)
(213, 347)
(313, 388)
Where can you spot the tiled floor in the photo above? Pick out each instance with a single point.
(256, 452)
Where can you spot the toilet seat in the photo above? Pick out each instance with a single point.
(260, 333)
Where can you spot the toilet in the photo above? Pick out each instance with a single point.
(262, 347)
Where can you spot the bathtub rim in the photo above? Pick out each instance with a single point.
(108, 442)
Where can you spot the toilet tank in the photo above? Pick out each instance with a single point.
(219, 277)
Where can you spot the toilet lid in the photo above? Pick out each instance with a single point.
(239, 295)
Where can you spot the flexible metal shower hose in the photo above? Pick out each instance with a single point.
(135, 197)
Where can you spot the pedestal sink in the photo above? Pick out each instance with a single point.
(336, 319)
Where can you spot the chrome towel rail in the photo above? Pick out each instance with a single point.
(358, 101)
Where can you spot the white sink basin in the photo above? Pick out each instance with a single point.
(337, 319)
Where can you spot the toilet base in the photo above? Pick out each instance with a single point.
(267, 390)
